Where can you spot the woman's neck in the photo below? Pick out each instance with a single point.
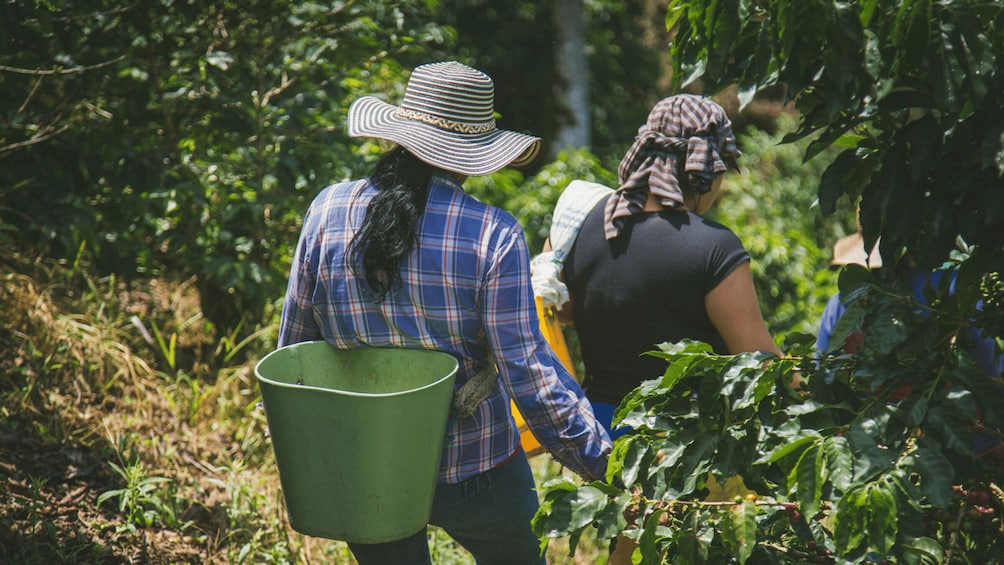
(653, 204)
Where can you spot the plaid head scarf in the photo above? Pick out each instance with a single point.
(686, 142)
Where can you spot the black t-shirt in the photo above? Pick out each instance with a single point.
(643, 288)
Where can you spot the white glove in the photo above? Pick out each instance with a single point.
(545, 276)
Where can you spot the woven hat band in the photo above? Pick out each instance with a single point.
(444, 123)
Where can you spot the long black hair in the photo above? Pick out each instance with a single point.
(390, 227)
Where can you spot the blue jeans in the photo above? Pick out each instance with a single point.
(605, 415)
(489, 515)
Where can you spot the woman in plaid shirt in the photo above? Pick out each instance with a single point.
(405, 258)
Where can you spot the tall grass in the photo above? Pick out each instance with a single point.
(137, 449)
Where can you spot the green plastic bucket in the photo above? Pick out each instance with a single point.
(358, 436)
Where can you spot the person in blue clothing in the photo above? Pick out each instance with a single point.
(851, 250)
(405, 258)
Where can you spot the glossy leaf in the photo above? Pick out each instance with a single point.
(741, 530)
(572, 510)
(922, 551)
(790, 446)
(866, 514)
(808, 477)
(839, 462)
(936, 475)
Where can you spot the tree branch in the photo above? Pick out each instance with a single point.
(34, 89)
(69, 71)
(36, 139)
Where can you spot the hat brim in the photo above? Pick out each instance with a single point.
(851, 250)
(467, 154)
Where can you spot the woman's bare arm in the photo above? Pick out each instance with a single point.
(735, 312)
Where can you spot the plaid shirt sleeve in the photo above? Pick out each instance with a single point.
(297, 322)
(552, 402)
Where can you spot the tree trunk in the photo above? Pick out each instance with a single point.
(574, 69)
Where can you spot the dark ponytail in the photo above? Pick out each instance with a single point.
(390, 227)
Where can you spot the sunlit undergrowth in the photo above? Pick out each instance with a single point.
(129, 435)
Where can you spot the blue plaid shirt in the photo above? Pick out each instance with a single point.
(466, 291)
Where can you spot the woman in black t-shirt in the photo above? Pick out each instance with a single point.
(647, 268)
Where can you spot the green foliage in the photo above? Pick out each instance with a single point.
(912, 92)
(875, 460)
(186, 138)
(867, 464)
(625, 72)
(144, 500)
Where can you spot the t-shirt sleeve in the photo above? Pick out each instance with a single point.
(725, 254)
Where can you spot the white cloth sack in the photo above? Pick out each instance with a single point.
(574, 204)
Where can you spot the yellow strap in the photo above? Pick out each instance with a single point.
(551, 329)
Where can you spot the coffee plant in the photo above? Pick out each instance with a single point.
(869, 460)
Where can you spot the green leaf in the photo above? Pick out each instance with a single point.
(866, 512)
(634, 457)
(949, 430)
(921, 551)
(792, 444)
(693, 541)
(742, 527)
(610, 521)
(573, 542)
(561, 483)
(553, 518)
(848, 140)
(913, 410)
(686, 346)
(867, 10)
(745, 371)
(676, 371)
(936, 475)
(615, 465)
(809, 479)
(109, 494)
(851, 278)
(962, 401)
(647, 552)
(908, 496)
(979, 62)
(882, 521)
(806, 407)
(676, 10)
(910, 32)
(839, 462)
(696, 462)
(572, 510)
(673, 448)
(943, 67)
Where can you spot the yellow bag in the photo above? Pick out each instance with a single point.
(551, 329)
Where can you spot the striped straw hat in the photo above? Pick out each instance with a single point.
(447, 120)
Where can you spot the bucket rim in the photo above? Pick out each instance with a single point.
(303, 387)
